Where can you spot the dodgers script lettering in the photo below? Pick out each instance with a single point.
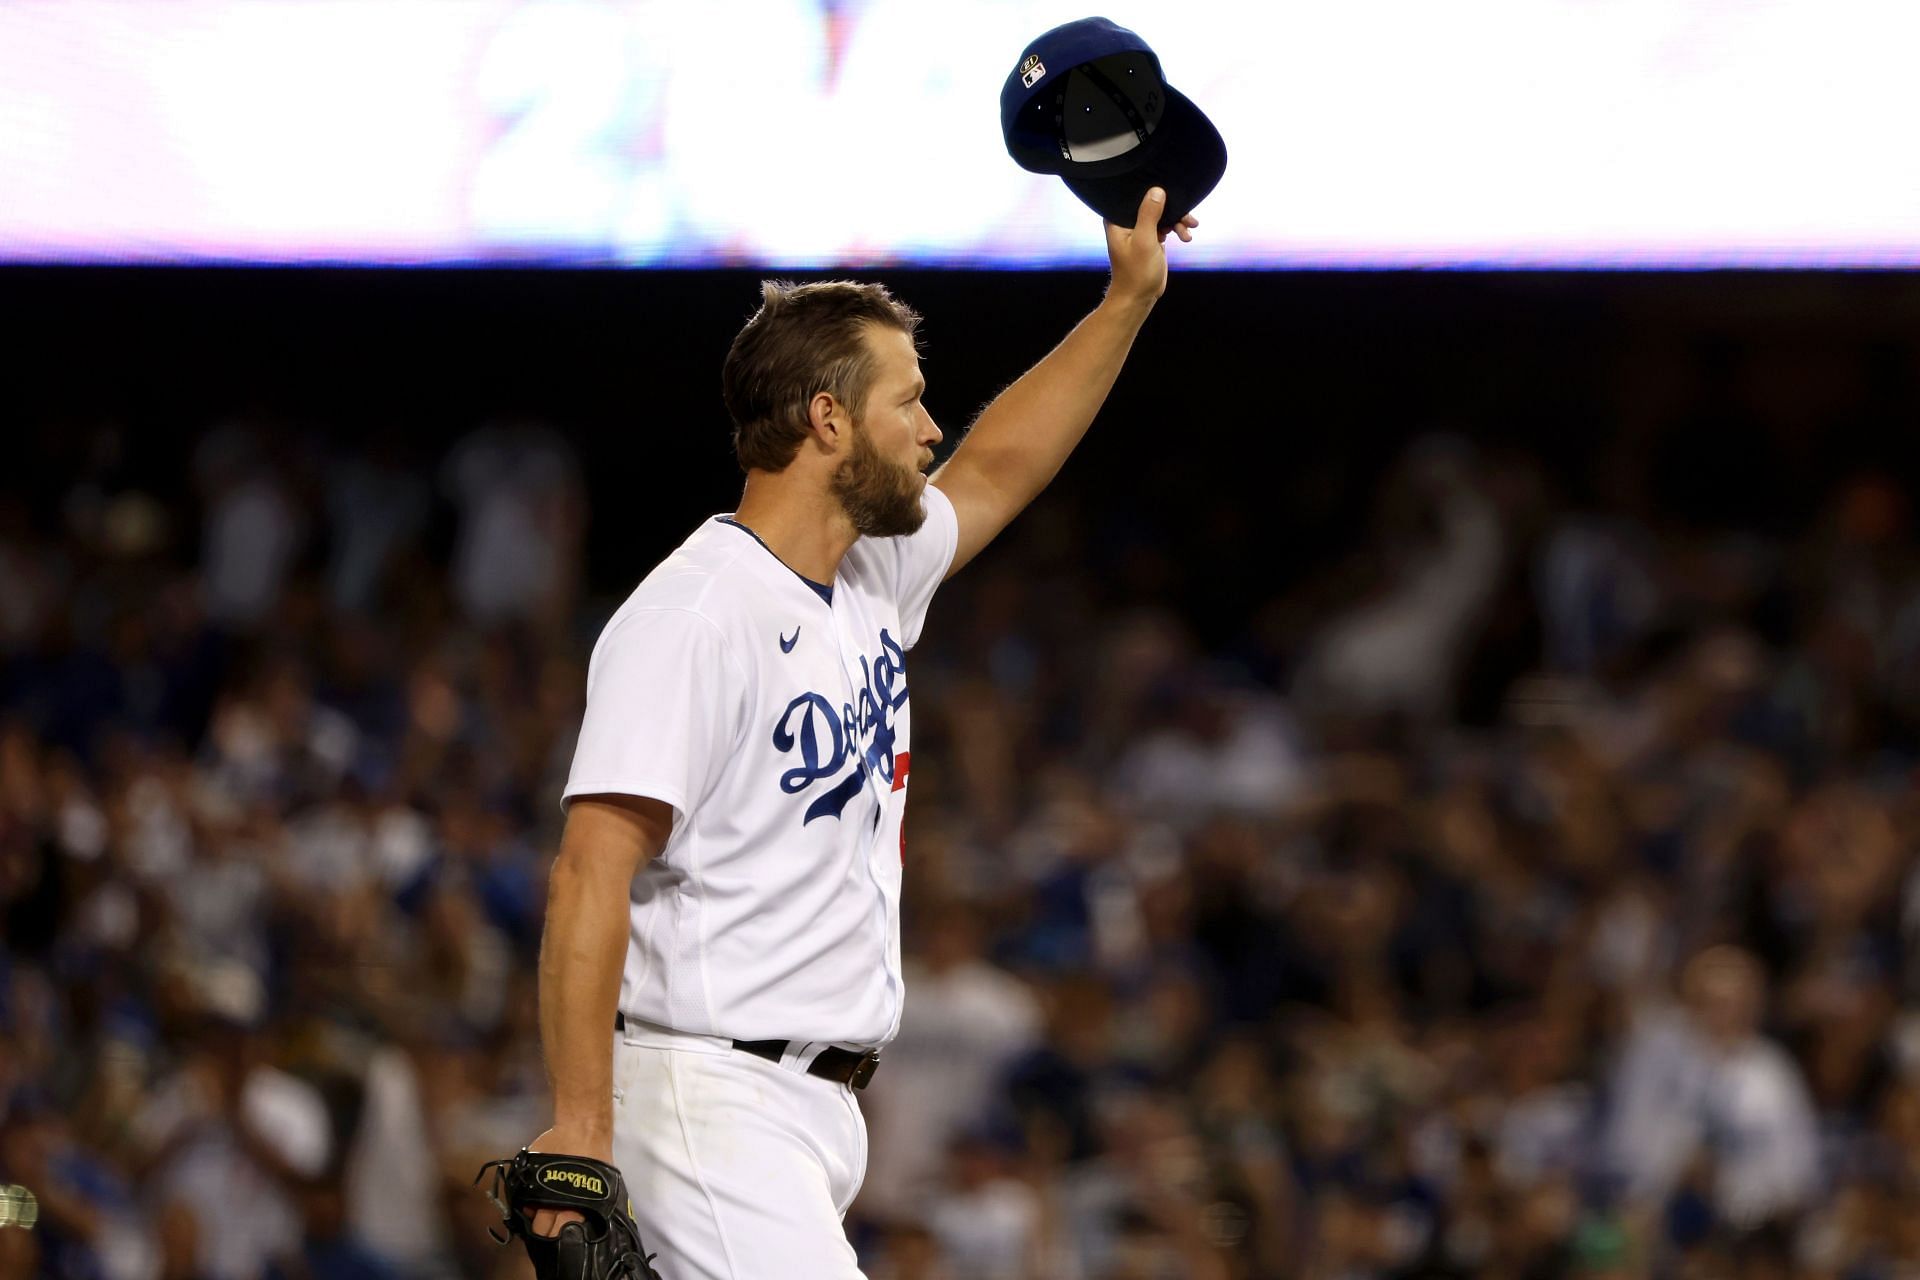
(860, 733)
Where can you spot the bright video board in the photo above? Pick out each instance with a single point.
(806, 133)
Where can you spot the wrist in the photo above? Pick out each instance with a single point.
(1129, 307)
(592, 1137)
(586, 1126)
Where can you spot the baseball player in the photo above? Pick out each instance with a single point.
(721, 959)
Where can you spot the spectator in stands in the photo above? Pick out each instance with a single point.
(1700, 1083)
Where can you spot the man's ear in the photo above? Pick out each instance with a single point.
(828, 418)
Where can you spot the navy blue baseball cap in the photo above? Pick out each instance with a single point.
(1087, 101)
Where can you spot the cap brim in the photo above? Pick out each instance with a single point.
(1185, 154)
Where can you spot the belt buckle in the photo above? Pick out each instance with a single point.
(863, 1072)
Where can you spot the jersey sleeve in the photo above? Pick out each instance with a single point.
(923, 560)
(664, 702)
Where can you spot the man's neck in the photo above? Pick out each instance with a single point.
(802, 525)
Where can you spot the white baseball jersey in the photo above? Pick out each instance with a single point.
(776, 723)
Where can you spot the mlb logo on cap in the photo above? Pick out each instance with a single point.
(1108, 123)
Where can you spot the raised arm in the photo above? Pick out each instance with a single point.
(1019, 442)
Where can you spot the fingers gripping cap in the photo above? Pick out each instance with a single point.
(1088, 101)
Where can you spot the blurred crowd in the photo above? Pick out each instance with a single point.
(1530, 894)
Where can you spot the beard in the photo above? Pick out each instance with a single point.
(881, 498)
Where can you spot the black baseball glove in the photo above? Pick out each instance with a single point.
(604, 1247)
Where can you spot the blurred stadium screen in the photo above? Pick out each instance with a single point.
(805, 133)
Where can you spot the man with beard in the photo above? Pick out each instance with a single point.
(726, 897)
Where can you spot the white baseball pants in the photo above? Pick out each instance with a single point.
(739, 1169)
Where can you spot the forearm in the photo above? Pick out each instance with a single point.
(581, 954)
(1020, 441)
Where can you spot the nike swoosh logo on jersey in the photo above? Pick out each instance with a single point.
(786, 645)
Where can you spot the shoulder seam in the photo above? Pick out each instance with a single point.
(726, 645)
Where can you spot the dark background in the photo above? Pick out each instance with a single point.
(1257, 411)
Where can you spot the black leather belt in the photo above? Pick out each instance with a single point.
(842, 1066)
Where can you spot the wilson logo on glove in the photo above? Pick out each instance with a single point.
(604, 1246)
(575, 1178)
